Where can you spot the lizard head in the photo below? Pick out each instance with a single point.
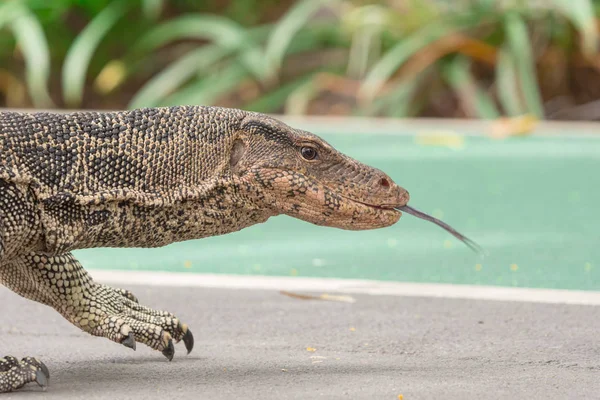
(300, 175)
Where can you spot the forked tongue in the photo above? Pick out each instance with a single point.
(474, 246)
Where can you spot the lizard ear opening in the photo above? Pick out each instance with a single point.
(237, 151)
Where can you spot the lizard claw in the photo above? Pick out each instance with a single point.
(129, 341)
(188, 340)
(42, 376)
(169, 351)
(45, 370)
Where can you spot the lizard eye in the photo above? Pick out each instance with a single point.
(308, 153)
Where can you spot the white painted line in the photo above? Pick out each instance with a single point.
(333, 285)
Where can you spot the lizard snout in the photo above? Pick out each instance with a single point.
(389, 193)
(403, 196)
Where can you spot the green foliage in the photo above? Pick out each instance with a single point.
(485, 58)
(83, 48)
(476, 101)
(29, 36)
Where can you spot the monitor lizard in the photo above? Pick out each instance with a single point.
(148, 178)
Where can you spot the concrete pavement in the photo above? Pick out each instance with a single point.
(253, 344)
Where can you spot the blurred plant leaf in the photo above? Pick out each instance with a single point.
(299, 99)
(398, 102)
(142, 51)
(166, 83)
(283, 34)
(221, 31)
(208, 89)
(12, 89)
(475, 102)
(81, 51)
(519, 45)
(366, 43)
(371, 15)
(48, 11)
(410, 52)
(92, 8)
(30, 38)
(152, 8)
(383, 70)
(582, 15)
(176, 74)
(275, 100)
(365, 25)
(400, 21)
(10, 10)
(507, 85)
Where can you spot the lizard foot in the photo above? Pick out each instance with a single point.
(116, 315)
(15, 374)
(123, 292)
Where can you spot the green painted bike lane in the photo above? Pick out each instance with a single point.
(533, 203)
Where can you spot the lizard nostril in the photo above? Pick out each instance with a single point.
(384, 182)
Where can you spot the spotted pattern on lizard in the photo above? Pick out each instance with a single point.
(147, 178)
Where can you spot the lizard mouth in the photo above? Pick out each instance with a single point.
(358, 215)
(383, 207)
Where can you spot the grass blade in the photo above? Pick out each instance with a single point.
(117, 71)
(209, 89)
(283, 34)
(167, 82)
(152, 8)
(275, 100)
(9, 11)
(398, 102)
(583, 16)
(299, 99)
(81, 51)
(475, 101)
(31, 39)
(209, 27)
(519, 45)
(221, 31)
(176, 74)
(383, 70)
(367, 24)
(507, 85)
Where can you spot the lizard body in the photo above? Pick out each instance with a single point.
(147, 178)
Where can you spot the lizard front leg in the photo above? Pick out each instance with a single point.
(62, 283)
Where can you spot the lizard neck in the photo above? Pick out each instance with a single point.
(222, 209)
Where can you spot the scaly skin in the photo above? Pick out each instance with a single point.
(147, 178)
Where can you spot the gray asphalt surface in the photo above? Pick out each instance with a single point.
(253, 345)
